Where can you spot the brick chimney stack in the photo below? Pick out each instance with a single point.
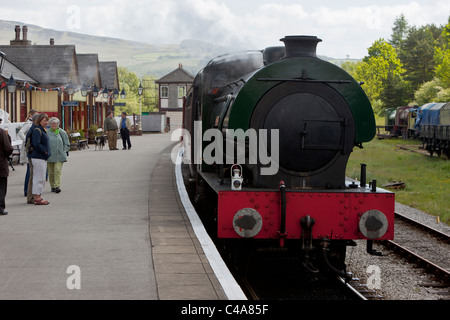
(25, 33)
(24, 41)
(17, 29)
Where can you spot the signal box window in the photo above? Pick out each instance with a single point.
(165, 92)
(181, 92)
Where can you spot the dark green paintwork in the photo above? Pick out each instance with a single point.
(316, 69)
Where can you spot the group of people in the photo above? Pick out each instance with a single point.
(110, 126)
(45, 151)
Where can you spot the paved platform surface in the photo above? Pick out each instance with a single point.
(117, 230)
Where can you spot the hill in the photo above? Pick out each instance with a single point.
(141, 58)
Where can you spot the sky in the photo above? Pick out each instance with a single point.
(346, 27)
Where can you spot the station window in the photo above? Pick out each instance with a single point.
(164, 92)
(181, 92)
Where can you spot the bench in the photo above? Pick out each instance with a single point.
(80, 143)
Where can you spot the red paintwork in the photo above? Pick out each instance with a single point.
(336, 214)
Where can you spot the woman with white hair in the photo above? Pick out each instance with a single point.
(59, 146)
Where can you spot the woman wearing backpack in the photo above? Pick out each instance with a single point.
(59, 146)
(22, 135)
(39, 155)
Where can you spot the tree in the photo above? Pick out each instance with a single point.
(438, 89)
(130, 82)
(417, 55)
(399, 33)
(427, 92)
(382, 73)
(442, 57)
(350, 67)
(150, 94)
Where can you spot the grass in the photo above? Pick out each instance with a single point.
(427, 179)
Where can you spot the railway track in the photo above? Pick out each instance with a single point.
(432, 254)
(273, 276)
(426, 248)
(263, 273)
(443, 236)
(360, 290)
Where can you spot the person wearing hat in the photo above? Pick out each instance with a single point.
(125, 126)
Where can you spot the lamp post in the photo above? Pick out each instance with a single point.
(11, 85)
(84, 91)
(140, 92)
(70, 89)
(105, 93)
(95, 95)
(115, 94)
(95, 91)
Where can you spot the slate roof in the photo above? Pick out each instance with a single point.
(109, 74)
(89, 70)
(18, 75)
(47, 64)
(177, 76)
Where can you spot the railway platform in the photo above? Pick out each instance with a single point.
(117, 231)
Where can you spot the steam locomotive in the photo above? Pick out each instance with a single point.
(270, 133)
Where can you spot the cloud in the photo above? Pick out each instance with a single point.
(349, 29)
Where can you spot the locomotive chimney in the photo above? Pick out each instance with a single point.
(52, 41)
(300, 46)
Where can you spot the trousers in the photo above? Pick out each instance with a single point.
(125, 134)
(112, 139)
(30, 197)
(3, 189)
(39, 175)
(54, 173)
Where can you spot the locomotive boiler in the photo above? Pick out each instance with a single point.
(272, 132)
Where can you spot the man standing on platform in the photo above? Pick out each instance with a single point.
(125, 126)
(110, 127)
(6, 150)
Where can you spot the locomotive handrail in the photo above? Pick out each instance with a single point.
(305, 80)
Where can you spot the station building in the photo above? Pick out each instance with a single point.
(54, 79)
